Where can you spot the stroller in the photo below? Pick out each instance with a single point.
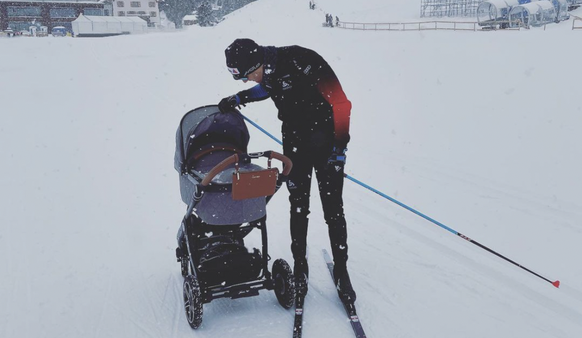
(226, 196)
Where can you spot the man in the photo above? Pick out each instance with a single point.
(316, 116)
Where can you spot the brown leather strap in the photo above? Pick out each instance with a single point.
(287, 166)
(198, 155)
(218, 168)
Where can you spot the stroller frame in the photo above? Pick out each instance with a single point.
(193, 239)
(240, 290)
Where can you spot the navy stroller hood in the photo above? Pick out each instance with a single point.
(206, 126)
(204, 129)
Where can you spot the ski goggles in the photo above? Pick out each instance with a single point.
(239, 77)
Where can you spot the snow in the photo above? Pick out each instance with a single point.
(478, 130)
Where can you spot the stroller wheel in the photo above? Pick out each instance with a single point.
(192, 301)
(284, 283)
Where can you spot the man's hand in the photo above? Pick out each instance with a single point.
(338, 155)
(228, 104)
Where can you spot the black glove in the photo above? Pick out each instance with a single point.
(228, 104)
(338, 155)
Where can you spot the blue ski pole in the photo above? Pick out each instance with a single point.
(554, 283)
(261, 129)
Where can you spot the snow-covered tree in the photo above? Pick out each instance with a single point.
(176, 10)
(205, 15)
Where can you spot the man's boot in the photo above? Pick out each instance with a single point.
(343, 285)
(301, 272)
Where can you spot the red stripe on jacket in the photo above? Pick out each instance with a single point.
(332, 92)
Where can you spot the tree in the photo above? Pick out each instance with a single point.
(176, 10)
(205, 15)
(228, 6)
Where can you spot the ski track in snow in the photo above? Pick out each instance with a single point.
(519, 294)
(528, 201)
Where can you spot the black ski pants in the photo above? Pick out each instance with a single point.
(309, 150)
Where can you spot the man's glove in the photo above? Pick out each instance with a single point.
(338, 154)
(228, 104)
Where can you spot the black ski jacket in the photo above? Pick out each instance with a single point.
(304, 89)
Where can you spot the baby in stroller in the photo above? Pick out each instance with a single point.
(226, 196)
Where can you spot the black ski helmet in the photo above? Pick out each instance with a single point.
(243, 57)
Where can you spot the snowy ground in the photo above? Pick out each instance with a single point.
(479, 130)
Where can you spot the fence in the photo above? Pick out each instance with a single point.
(413, 26)
(574, 20)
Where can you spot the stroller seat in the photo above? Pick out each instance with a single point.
(217, 207)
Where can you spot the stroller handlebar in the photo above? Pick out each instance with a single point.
(287, 164)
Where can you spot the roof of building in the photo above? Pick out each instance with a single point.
(94, 18)
(60, 1)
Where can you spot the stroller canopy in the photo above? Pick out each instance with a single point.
(205, 127)
(204, 138)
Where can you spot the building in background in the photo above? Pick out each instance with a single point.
(190, 20)
(101, 26)
(21, 15)
(145, 9)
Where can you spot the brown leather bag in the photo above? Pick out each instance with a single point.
(254, 184)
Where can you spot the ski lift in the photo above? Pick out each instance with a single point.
(491, 13)
(533, 14)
